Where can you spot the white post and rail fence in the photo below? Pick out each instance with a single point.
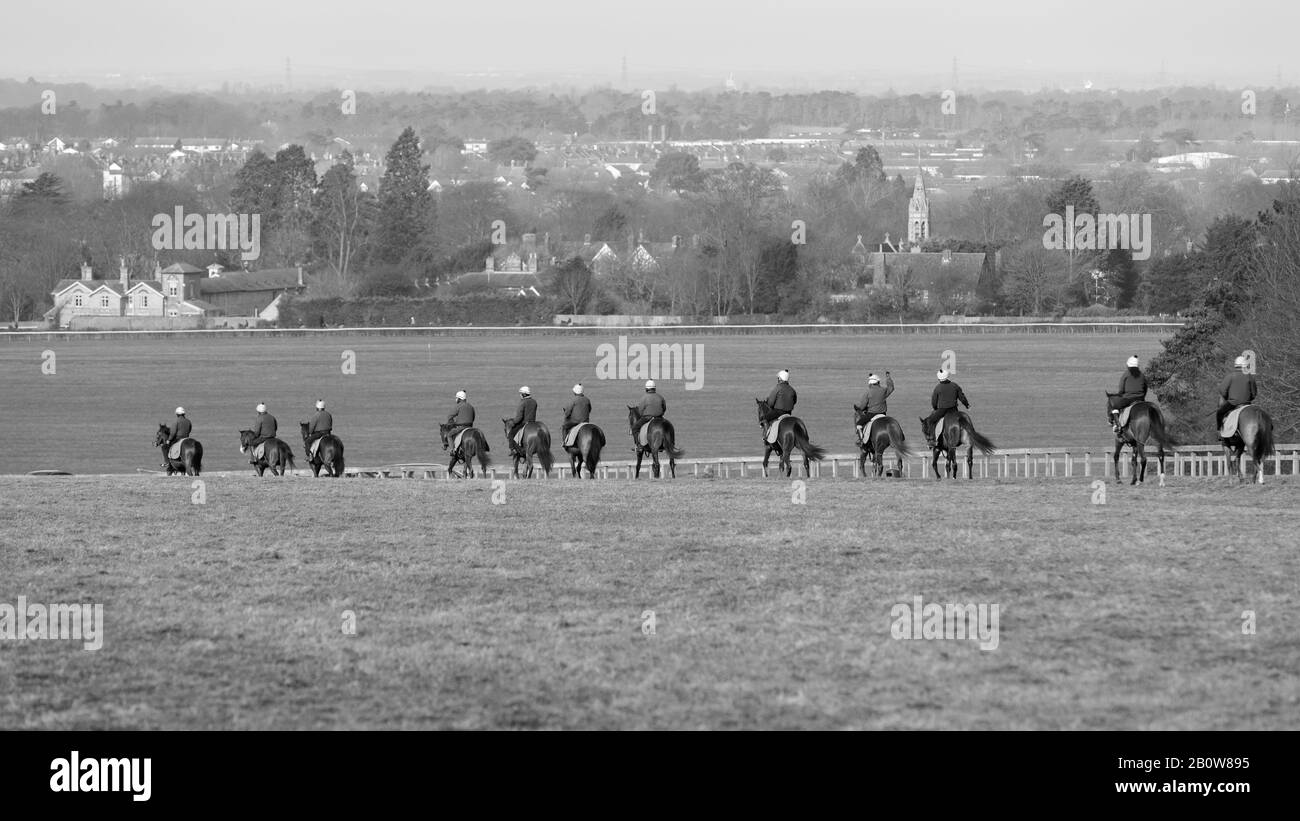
(1201, 461)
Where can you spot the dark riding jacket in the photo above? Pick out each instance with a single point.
(782, 398)
(180, 429)
(873, 401)
(652, 404)
(264, 429)
(527, 412)
(577, 410)
(462, 416)
(1238, 389)
(321, 424)
(1132, 385)
(946, 395)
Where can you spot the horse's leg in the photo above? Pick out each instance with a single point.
(1119, 446)
(640, 454)
(934, 462)
(767, 454)
(970, 462)
(672, 467)
(654, 454)
(1133, 462)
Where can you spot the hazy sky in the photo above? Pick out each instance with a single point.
(1228, 43)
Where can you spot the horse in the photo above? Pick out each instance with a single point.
(948, 438)
(1144, 424)
(660, 436)
(473, 445)
(1254, 434)
(276, 455)
(586, 449)
(791, 433)
(329, 455)
(191, 461)
(886, 433)
(535, 441)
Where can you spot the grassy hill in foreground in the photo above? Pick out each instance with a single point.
(528, 614)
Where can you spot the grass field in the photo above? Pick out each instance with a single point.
(98, 412)
(528, 614)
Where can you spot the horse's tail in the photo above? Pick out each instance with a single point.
(544, 449)
(896, 439)
(288, 456)
(1158, 432)
(197, 459)
(593, 452)
(809, 449)
(338, 458)
(981, 442)
(1263, 440)
(670, 441)
(481, 451)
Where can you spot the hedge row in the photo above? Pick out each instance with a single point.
(474, 309)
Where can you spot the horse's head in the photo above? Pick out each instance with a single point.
(162, 436)
(763, 409)
(442, 431)
(246, 438)
(1112, 402)
(632, 416)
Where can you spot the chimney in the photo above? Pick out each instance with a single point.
(640, 235)
(586, 239)
(650, 136)
(532, 261)
(85, 271)
(125, 275)
(677, 240)
(299, 276)
(663, 135)
(487, 264)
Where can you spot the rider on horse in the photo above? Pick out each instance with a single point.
(873, 402)
(461, 417)
(322, 424)
(782, 398)
(652, 406)
(179, 430)
(943, 399)
(1132, 388)
(1237, 390)
(264, 430)
(527, 412)
(576, 411)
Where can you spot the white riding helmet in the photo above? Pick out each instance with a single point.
(577, 389)
(181, 411)
(649, 384)
(1239, 362)
(1132, 361)
(460, 394)
(261, 408)
(524, 390)
(873, 380)
(320, 404)
(942, 375)
(782, 376)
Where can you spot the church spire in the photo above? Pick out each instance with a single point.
(918, 210)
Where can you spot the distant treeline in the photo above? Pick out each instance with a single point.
(1006, 120)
